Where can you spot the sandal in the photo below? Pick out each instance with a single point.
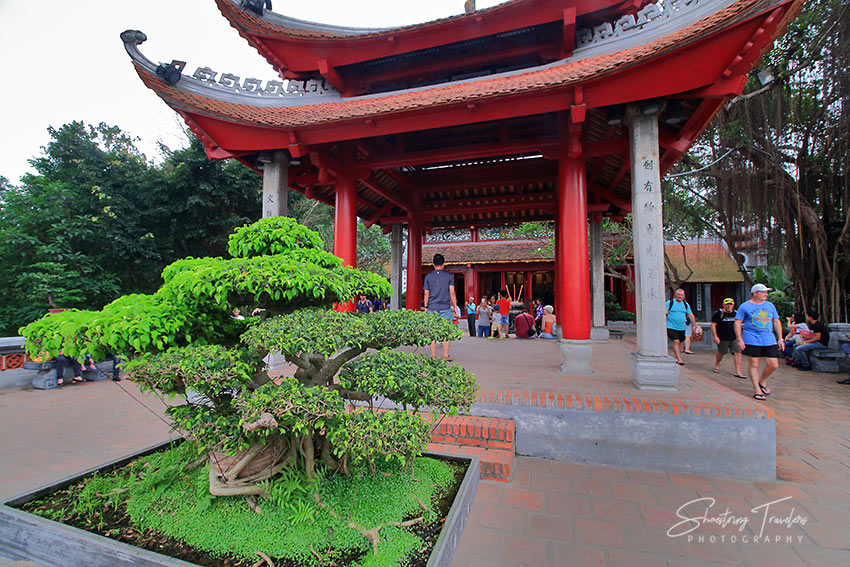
(448, 358)
(716, 371)
(78, 379)
(740, 376)
(60, 382)
(764, 390)
(680, 363)
(760, 397)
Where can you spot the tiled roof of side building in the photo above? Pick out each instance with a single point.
(547, 77)
(710, 262)
(487, 252)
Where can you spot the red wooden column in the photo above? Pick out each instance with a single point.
(572, 268)
(414, 263)
(470, 284)
(345, 221)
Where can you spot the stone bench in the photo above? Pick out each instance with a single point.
(828, 360)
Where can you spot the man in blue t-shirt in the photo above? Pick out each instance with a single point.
(759, 333)
(678, 311)
(439, 288)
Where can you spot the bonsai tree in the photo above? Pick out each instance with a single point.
(183, 341)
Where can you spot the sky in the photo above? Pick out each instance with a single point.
(63, 61)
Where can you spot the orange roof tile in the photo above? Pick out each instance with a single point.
(487, 252)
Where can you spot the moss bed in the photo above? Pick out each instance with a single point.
(155, 504)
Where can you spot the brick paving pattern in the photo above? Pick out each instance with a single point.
(551, 513)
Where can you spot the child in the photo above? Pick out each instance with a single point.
(496, 327)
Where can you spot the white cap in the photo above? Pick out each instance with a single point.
(760, 287)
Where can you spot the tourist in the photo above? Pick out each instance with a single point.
(678, 313)
(759, 334)
(483, 318)
(505, 313)
(816, 339)
(723, 332)
(496, 322)
(538, 314)
(237, 314)
(796, 326)
(846, 348)
(470, 315)
(439, 289)
(548, 323)
(363, 306)
(116, 362)
(524, 326)
(63, 362)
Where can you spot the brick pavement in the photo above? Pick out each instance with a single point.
(552, 513)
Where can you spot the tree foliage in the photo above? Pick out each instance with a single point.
(774, 164)
(97, 220)
(185, 342)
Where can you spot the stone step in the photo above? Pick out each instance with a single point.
(496, 464)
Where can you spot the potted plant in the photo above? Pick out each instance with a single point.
(254, 433)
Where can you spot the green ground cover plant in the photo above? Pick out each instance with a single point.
(304, 522)
(252, 430)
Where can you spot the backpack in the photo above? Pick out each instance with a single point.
(687, 321)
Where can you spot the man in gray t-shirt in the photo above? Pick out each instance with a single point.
(440, 298)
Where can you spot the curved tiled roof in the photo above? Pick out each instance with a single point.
(274, 25)
(489, 252)
(560, 74)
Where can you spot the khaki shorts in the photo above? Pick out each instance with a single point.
(725, 347)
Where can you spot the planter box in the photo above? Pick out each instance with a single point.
(27, 536)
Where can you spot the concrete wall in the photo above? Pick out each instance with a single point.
(742, 448)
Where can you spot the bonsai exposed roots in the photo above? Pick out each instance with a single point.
(252, 504)
(265, 559)
(372, 535)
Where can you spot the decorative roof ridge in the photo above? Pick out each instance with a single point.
(228, 87)
(650, 24)
(306, 29)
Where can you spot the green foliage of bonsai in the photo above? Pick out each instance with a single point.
(183, 341)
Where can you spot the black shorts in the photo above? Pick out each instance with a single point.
(758, 351)
(675, 335)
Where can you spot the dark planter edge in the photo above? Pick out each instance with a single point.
(25, 536)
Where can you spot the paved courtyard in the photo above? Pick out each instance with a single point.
(551, 513)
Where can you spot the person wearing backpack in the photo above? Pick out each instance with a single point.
(678, 312)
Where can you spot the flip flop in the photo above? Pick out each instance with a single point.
(764, 390)
(760, 397)
(740, 376)
(448, 358)
(689, 352)
(716, 371)
(78, 379)
(680, 363)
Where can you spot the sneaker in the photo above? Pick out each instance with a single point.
(845, 381)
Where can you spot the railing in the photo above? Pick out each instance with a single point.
(12, 355)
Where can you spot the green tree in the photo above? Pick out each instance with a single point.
(773, 165)
(97, 219)
(252, 427)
